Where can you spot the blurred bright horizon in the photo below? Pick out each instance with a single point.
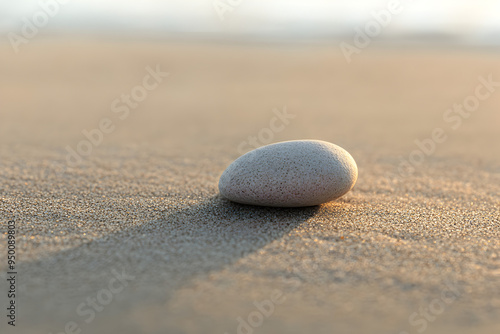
(455, 20)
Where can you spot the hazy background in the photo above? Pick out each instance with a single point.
(460, 21)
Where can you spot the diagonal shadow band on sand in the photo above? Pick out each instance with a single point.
(162, 254)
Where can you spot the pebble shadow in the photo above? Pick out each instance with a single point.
(167, 252)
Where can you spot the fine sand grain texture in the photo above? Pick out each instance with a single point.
(411, 253)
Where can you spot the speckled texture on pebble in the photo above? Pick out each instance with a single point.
(290, 174)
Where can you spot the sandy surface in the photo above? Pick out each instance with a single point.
(410, 253)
